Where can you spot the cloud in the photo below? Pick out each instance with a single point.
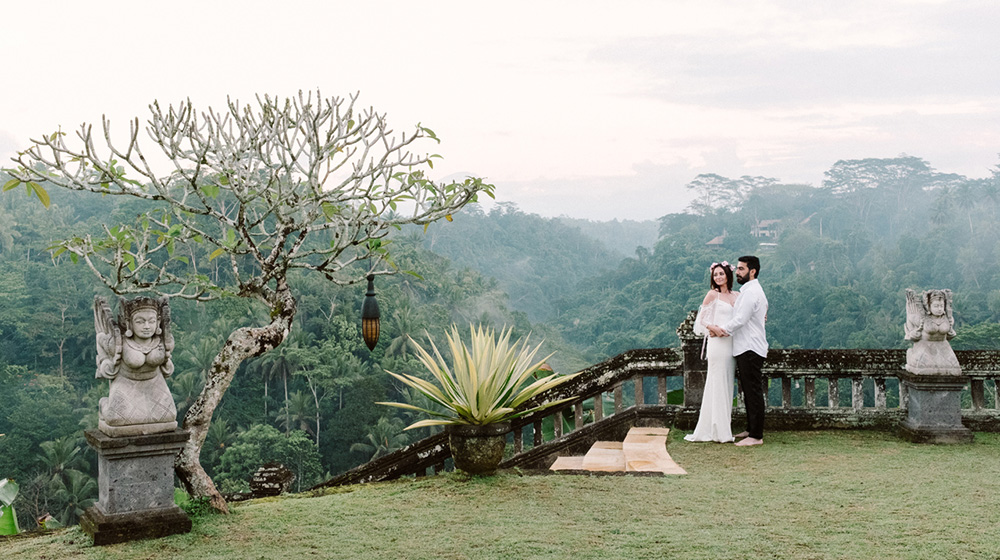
(652, 190)
(812, 56)
(8, 148)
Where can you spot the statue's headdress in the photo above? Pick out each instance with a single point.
(130, 307)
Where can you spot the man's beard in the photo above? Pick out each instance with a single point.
(742, 279)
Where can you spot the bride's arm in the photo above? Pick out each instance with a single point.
(706, 314)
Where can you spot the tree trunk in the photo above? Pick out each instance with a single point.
(242, 344)
(288, 416)
(312, 388)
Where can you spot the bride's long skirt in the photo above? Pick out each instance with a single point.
(715, 418)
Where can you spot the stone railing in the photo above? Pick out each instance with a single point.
(807, 389)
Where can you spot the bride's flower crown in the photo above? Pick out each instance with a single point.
(723, 263)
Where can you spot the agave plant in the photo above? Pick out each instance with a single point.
(484, 383)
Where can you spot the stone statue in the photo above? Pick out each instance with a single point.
(930, 325)
(134, 353)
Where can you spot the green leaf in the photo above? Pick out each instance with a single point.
(11, 184)
(8, 491)
(40, 193)
(429, 133)
(216, 253)
(211, 191)
(331, 209)
(74, 258)
(413, 273)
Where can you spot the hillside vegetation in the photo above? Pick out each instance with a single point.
(836, 261)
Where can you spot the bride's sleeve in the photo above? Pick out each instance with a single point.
(706, 316)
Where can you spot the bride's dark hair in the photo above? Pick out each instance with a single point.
(729, 277)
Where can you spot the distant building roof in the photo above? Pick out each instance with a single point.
(763, 228)
(718, 240)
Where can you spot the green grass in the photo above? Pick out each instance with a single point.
(813, 495)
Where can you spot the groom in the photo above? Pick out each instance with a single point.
(749, 346)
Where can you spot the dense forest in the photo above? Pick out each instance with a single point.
(836, 260)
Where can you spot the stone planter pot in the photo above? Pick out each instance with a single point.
(477, 449)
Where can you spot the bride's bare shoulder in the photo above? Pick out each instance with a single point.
(711, 296)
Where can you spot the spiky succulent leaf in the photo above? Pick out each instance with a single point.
(484, 382)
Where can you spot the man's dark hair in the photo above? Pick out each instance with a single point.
(753, 263)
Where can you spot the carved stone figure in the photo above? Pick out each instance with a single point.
(930, 325)
(134, 353)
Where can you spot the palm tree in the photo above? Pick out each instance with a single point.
(403, 325)
(967, 197)
(76, 493)
(221, 435)
(282, 361)
(384, 437)
(197, 355)
(298, 412)
(185, 388)
(61, 457)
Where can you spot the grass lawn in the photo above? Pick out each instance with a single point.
(815, 495)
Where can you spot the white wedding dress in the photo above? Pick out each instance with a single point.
(715, 418)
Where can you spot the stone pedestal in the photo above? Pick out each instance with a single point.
(934, 412)
(136, 488)
(695, 366)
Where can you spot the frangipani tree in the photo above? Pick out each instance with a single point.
(307, 183)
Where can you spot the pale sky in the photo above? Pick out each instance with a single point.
(590, 109)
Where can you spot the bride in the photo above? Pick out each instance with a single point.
(715, 418)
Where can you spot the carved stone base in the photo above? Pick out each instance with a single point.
(918, 434)
(934, 410)
(135, 487)
(136, 429)
(136, 525)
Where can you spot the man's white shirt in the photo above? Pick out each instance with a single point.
(747, 325)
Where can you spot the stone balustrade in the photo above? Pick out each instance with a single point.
(807, 389)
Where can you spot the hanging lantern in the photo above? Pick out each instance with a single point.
(370, 315)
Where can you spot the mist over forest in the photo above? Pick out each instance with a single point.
(836, 260)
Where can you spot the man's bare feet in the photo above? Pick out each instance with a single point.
(741, 435)
(749, 441)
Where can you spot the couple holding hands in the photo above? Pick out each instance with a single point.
(733, 323)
